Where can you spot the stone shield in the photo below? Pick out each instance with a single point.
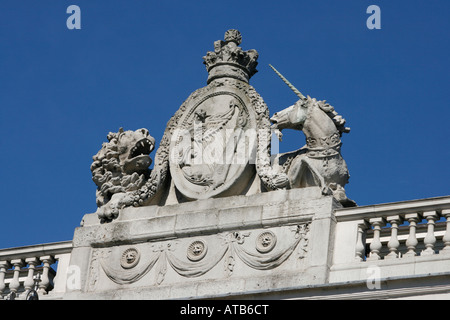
(212, 150)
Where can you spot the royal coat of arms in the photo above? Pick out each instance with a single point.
(218, 144)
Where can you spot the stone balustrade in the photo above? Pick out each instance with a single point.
(407, 238)
(20, 266)
(405, 235)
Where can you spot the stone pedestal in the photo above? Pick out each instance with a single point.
(210, 248)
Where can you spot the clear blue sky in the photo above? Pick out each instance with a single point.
(134, 62)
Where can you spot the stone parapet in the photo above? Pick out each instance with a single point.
(208, 248)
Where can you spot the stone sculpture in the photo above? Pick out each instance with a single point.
(320, 162)
(121, 166)
(218, 144)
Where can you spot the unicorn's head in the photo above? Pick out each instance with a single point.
(324, 119)
(292, 117)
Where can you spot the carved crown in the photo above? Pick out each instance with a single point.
(229, 60)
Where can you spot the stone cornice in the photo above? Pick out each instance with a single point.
(209, 216)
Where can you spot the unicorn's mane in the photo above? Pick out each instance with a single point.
(338, 120)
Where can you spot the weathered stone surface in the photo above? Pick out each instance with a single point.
(320, 161)
(121, 166)
(209, 244)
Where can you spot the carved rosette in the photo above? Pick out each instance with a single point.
(266, 241)
(130, 258)
(197, 250)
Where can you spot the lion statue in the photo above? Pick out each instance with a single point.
(119, 167)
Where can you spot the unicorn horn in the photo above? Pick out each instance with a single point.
(298, 93)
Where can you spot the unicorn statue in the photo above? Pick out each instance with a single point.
(319, 162)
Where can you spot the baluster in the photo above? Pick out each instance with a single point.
(45, 281)
(393, 243)
(446, 238)
(4, 265)
(411, 242)
(376, 245)
(29, 281)
(430, 239)
(15, 284)
(361, 240)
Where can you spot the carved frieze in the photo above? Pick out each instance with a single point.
(132, 264)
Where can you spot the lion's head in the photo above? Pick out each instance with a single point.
(122, 164)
